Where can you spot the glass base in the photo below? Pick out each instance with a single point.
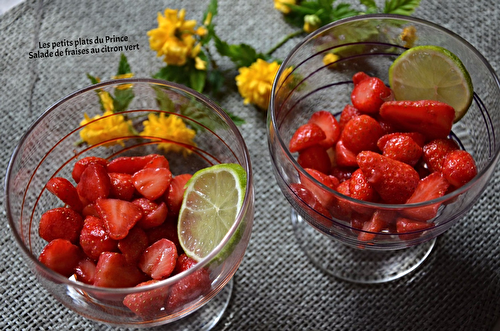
(353, 264)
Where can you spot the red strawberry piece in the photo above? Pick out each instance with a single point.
(148, 304)
(175, 193)
(343, 156)
(158, 260)
(379, 221)
(328, 123)
(403, 148)
(129, 164)
(119, 216)
(361, 134)
(435, 151)
(167, 230)
(315, 157)
(347, 114)
(82, 164)
(322, 195)
(152, 182)
(358, 77)
(94, 183)
(358, 220)
(94, 239)
(431, 187)
(113, 270)
(405, 227)
(65, 191)
(158, 161)
(90, 210)
(393, 180)
(343, 173)
(308, 198)
(459, 168)
(341, 208)
(63, 223)
(188, 288)
(417, 137)
(121, 186)
(133, 245)
(307, 135)
(369, 94)
(387, 127)
(433, 119)
(153, 214)
(85, 271)
(361, 189)
(183, 263)
(61, 256)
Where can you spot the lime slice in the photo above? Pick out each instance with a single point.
(432, 73)
(211, 203)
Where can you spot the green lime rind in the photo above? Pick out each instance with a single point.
(212, 200)
(432, 73)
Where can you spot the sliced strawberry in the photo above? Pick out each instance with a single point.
(167, 230)
(94, 183)
(403, 148)
(65, 191)
(369, 94)
(405, 226)
(82, 164)
(183, 263)
(459, 168)
(328, 123)
(148, 305)
(393, 180)
(306, 196)
(94, 238)
(417, 137)
(361, 189)
(158, 260)
(153, 214)
(435, 151)
(119, 216)
(175, 193)
(347, 114)
(90, 210)
(341, 208)
(315, 157)
(358, 220)
(158, 161)
(63, 223)
(152, 182)
(433, 119)
(343, 173)
(361, 134)
(378, 222)
(133, 245)
(358, 77)
(129, 164)
(343, 156)
(324, 197)
(85, 271)
(431, 187)
(61, 256)
(121, 186)
(113, 270)
(307, 135)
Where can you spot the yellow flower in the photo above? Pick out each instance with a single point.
(409, 36)
(311, 23)
(175, 37)
(122, 76)
(104, 128)
(169, 127)
(255, 82)
(282, 7)
(106, 101)
(200, 64)
(330, 58)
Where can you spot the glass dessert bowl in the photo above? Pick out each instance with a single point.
(329, 225)
(53, 145)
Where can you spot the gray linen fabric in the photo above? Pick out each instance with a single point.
(276, 287)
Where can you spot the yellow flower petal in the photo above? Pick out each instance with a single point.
(330, 58)
(106, 127)
(200, 64)
(106, 101)
(282, 7)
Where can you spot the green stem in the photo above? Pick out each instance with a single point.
(283, 41)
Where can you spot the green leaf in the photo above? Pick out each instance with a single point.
(93, 79)
(164, 101)
(197, 79)
(237, 120)
(215, 81)
(343, 10)
(242, 55)
(371, 6)
(177, 74)
(123, 66)
(212, 8)
(122, 99)
(401, 7)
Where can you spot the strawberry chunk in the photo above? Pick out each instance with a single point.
(343, 156)
(343, 173)
(307, 135)
(378, 222)
(65, 191)
(431, 187)
(369, 94)
(85, 271)
(133, 245)
(61, 256)
(113, 270)
(94, 239)
(341, 208)
(152, 182)
(158, 260)
(153, 214)
(347, 114)
(361, 189)
(167, 230)
(459, 168)
(129, 164)
(403, 148)
(361, 134)
(431, 118)
(315, 157)
(121, 186)
(175, 193)
(148, 305)
(324, 197)
(94, 183)
(119, 216)
(405, 227)
(60, 223)
(358, 77)
(393, 180)
(328, 123)
(435, 152)
(82, 164)
(307, 197)
(157, 161)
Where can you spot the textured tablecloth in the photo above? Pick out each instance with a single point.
(276, 287)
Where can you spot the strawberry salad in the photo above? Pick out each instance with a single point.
(382, 151)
